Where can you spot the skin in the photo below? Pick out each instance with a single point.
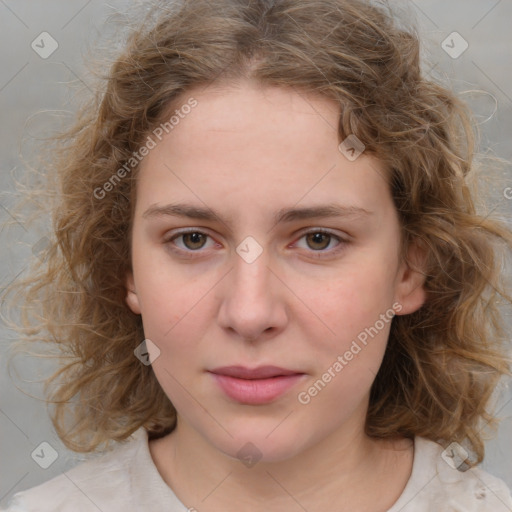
(245, 153)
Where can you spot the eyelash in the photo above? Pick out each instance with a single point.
(342, 242)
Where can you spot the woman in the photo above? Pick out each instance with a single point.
(269, 273)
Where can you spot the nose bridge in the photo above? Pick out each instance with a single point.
(251, 276)
(251, 303)
(250, 284)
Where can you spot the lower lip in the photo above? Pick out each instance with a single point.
(256, 391)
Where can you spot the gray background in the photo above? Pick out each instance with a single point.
(31, 87)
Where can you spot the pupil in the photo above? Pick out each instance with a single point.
(318, 237)
(195, 238)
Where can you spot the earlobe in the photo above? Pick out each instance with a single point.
(132, 300)
(410, 287)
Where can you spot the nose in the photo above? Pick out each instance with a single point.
(253, 303)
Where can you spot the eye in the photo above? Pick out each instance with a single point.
(319, 240)
(188, 241)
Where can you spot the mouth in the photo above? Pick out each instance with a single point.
(255, 386)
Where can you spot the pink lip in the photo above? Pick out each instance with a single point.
(255, 386)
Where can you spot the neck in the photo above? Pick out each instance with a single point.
(346, 465)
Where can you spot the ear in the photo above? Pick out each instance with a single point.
(410, 280)
(131, 295)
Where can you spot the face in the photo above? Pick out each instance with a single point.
(266, 268)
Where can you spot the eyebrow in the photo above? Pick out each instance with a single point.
(281, 216)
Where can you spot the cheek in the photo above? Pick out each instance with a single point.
(348, 361)
(172, 299)
(356, 307)
(177, 315)
(173, 322)
(353, 300)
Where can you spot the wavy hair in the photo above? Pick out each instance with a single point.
(442, 362)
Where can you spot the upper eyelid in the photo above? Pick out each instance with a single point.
(300, 232)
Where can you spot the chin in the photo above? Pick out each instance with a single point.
(251, 445)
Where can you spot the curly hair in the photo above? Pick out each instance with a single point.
(442, 362)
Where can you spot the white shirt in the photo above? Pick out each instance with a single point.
(127, 480)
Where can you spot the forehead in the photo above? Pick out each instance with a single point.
(259, 145)
(275, 116)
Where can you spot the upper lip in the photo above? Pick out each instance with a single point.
(261, 372)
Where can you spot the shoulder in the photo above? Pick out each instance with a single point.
(441, 481)
(88, 486)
